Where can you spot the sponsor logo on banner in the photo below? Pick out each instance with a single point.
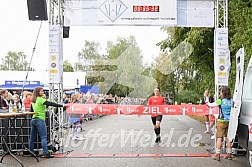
(113, 9)
(169, 110)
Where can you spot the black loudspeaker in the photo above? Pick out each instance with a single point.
(66, 32)
(37, 10)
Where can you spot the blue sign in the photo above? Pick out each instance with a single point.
(16, 82)
(18, 85)
(92, 89)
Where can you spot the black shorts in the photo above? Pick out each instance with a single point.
(157, 118)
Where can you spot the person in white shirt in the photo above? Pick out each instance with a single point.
(207, 99)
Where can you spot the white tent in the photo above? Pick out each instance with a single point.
(69, 78)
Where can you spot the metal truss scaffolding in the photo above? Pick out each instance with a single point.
(56, 8)
(221, 21)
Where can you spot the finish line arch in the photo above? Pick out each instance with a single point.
(57, 21)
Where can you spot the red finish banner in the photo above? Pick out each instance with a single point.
(109, 109)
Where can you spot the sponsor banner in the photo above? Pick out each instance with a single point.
(120, 12)
(55, 65)
(180, 13)
(18, 82)
(222, 57)
(109, 109)
(193, 13)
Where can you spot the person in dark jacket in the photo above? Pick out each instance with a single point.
(4, 104)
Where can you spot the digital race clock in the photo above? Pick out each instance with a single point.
(145, 8)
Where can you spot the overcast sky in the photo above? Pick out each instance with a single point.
(19, 34)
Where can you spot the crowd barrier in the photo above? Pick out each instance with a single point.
(25, 133)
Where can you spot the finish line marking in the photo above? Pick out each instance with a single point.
(112, 109)
(129, 155)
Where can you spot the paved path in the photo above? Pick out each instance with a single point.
(129, 141)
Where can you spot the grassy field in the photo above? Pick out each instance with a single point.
(198, 118)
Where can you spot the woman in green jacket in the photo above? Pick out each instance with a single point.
(38, 126)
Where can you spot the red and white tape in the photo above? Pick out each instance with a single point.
(109, 109)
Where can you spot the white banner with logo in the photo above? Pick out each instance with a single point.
(182, 13)
(222, 57)
(193, 13)
(120, 12)
(55, 54)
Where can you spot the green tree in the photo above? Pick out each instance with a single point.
(196, 73)
(67, 67)
(120, 70)
(188, 96)
(240, 32)
(14, 61)
(87, 61)
(128, 67)
(87, 55)
(166, 82)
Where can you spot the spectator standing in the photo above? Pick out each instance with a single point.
(225, 105)
(75, 120)
(4, 104)
(27, 100)
(38, 125)
(207, 99)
